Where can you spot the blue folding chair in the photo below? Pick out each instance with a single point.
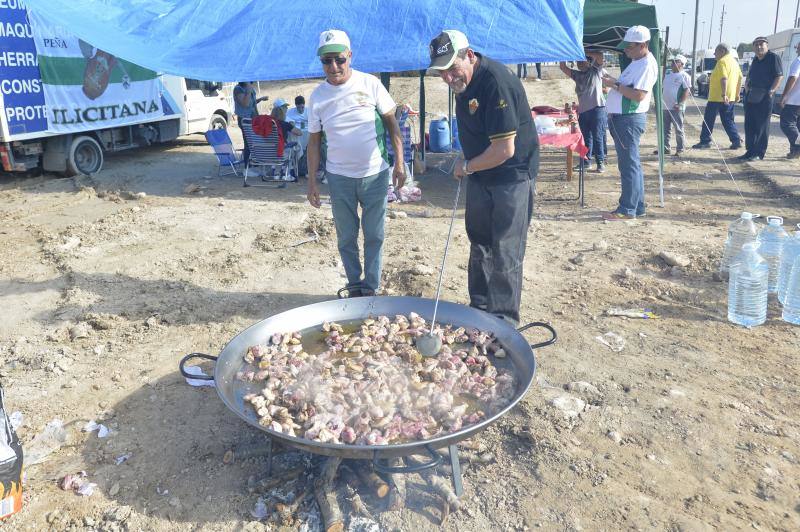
(227, 156)
(275, 170)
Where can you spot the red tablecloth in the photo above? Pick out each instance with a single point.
(572, 141)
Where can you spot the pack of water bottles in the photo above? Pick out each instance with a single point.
(759, 261)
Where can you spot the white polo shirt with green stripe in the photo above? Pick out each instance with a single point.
(350, 116)
(640, 74)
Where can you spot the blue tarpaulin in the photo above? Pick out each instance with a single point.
(231, 40)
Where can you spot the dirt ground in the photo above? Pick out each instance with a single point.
(108, 281)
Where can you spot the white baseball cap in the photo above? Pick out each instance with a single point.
(333, 41)
(635, 34)
(680, 58)
(445, 47)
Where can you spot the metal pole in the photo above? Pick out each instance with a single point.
(796, 13)
(422, 111)
(694, 40)
(721, 22)
(711, 22)
(777, 10)
(683, 18)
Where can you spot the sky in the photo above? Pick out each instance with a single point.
(744, 20)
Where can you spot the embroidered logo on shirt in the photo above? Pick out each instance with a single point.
(473, 106)
(502, 104)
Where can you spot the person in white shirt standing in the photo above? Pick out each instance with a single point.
(627, 103)
(298, 117)
(676, 90)
(790, 102)
(355, 111)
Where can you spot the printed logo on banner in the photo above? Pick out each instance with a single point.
(23, 95)
(88, 88)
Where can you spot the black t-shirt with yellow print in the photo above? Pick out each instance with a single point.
(494, 106)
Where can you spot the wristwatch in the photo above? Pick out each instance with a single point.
(616, 85)
(464, 167)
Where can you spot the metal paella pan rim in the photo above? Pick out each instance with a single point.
(520, 359)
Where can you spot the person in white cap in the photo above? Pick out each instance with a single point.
(677, 85)
(290, 134)
(628, 102)
(354, 111)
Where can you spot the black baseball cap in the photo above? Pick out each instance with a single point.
(444, 48)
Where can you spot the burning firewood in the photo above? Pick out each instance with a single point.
(352, 484)
(332, 519)
(286, 512)
(372, 481)
(397, 492)
(442, 487)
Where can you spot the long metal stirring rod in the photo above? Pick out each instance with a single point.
(446, 247)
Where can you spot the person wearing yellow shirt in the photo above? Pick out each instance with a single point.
(724, 87)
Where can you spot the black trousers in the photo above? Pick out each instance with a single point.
(497, 219)
(756, 126)
(790, 125)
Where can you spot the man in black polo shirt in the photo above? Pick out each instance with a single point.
(766, 73)
(501, 157)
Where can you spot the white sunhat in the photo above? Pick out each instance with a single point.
(680, 58)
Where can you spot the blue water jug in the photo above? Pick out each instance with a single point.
(456, 142)
(439, 136)
(771, 239)
(747, 287)
(791, 250)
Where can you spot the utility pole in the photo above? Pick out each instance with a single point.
(777, 10)
(721, 22)
(711, 22)
(694, 40)
(796, 13)
(683, 17)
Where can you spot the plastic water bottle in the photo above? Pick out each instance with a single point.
(747, 287)
(791, 303)
(791, 250)
(771, 239)
(740, 232)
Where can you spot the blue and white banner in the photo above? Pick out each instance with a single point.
(20, 84)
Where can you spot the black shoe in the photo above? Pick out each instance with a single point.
(666, 151)
(746, 157)
(736, 146)
(702, 146)
(678, 153)
(347, 293)
(794, 154)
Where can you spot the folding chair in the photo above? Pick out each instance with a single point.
(275, 170)
(227, 156)
(408, 149)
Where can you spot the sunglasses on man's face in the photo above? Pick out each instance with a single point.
(329, 60)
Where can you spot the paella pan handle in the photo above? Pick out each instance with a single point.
(382, 466)
(547, 326)
(182, 366)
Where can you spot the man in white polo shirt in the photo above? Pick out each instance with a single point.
(354, 110)
(627, 103)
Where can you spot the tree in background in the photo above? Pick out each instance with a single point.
(744, 47)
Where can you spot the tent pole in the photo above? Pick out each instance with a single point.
(660, 115)
(386, 79)
(450, 113)
(422, 112)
